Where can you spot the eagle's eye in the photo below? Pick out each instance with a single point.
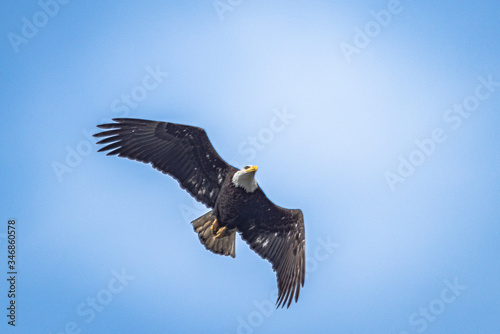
(246, 167)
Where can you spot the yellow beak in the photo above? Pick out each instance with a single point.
(252, 169)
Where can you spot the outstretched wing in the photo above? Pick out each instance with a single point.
(277, 235)
(181, 151)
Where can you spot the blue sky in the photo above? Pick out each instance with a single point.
(379, 119)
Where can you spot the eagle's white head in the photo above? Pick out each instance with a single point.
(245, 178)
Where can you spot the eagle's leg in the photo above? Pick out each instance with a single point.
(217, 230)
(221, 232)
(215, 226)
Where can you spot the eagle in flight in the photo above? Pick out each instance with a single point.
(238, 203)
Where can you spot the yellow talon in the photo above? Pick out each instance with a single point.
(221, 232)
(215, 226)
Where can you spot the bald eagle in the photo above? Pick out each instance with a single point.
(238, 203)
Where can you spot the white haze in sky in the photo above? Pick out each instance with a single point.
(379, 119)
